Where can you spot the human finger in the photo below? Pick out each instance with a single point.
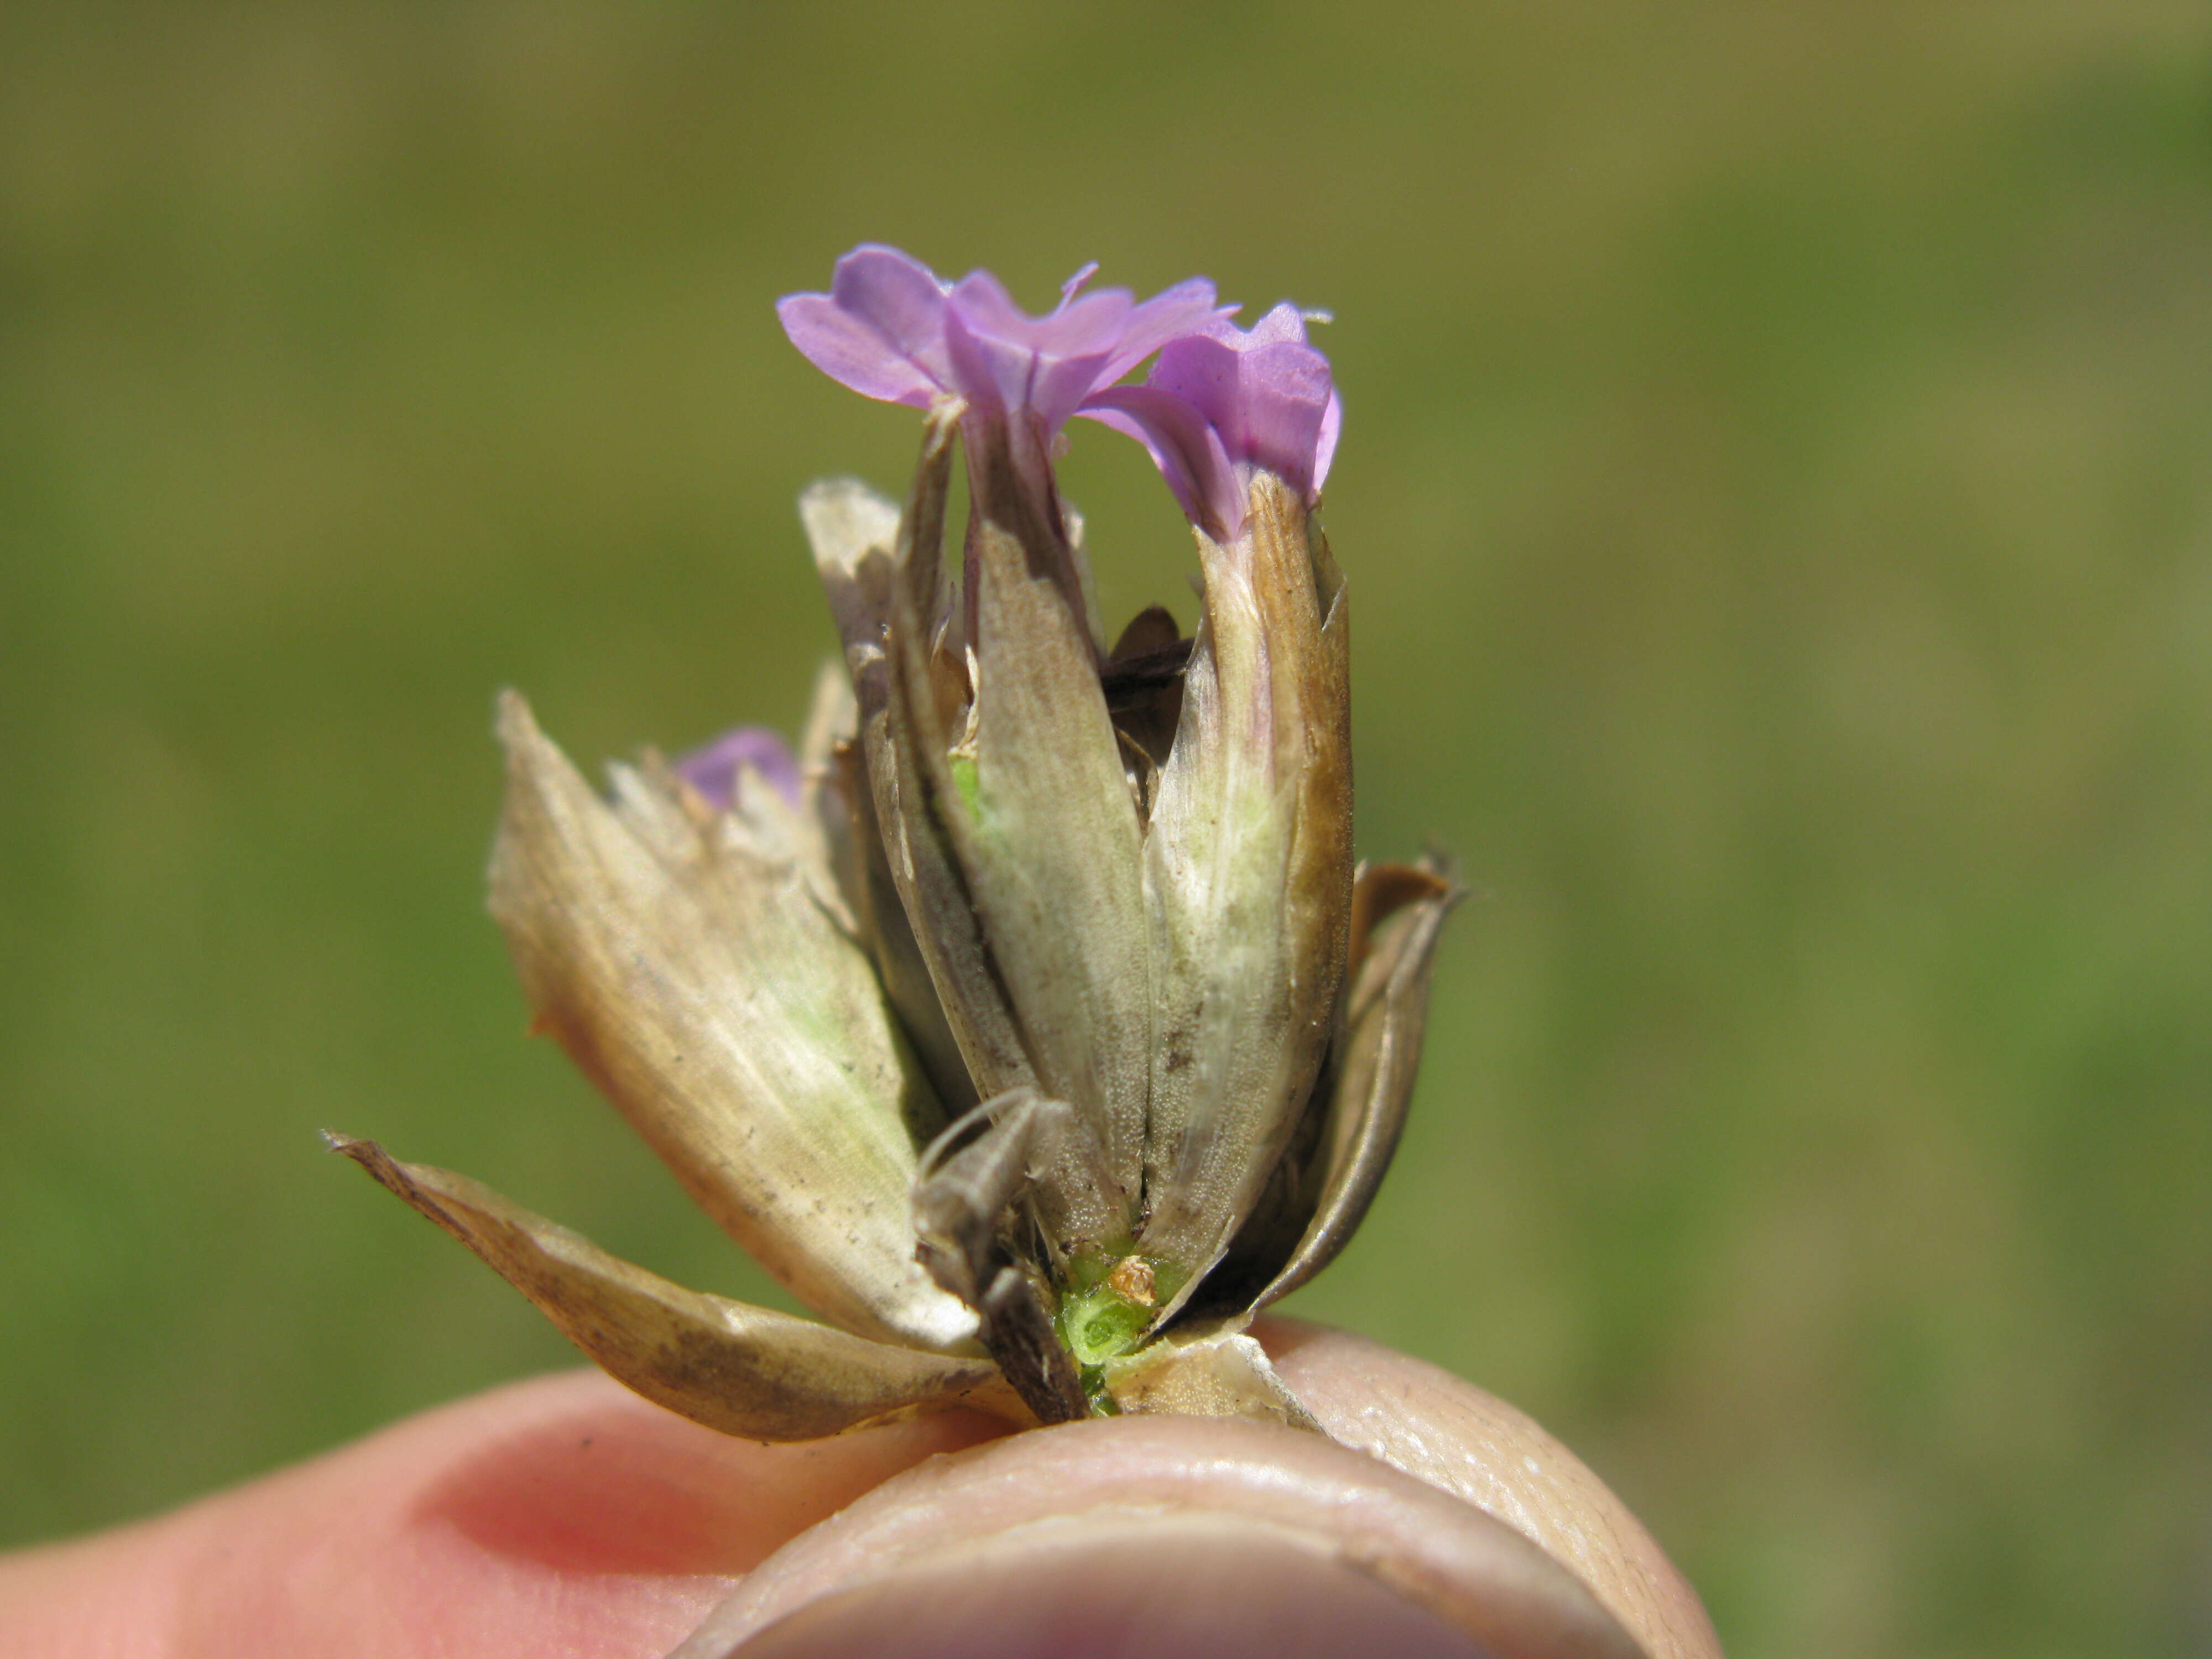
(559, 1515)
(1433, 1520)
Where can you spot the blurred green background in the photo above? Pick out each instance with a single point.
(1777, 497)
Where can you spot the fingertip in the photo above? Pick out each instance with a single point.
(1444, 1430)
(1164, 1534)
(1167, 1587)
(578, 1475)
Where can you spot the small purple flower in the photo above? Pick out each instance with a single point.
(891, 329)
(714, 769)
(1223, 403)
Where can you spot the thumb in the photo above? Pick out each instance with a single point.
(1435, 1519)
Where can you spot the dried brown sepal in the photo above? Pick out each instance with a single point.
(846, 522)
(1018, 1329)
(1345, 1122)
(740, 1369)
(825, 802)
(899, 959)
(970, 1219)
(972, 1177)
(1006, 464)
(948, 936)
(682, 961)
(1370, 1080)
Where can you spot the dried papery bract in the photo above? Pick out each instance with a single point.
(1248, 866)
(1041, 815)
(680, 957)
(1031, 1026)
(745, 1370)
(1342, 1144)
(1035, 844)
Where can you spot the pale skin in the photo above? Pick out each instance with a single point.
(564, 1516)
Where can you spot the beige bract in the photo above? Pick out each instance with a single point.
(1047, 1037)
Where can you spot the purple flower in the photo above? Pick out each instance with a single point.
(889, 329)
(1223, 403)
(714, 769)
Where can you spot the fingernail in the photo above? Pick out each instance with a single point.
(1208, 1587)
(1160, 1536)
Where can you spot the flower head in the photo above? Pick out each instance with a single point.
(1035, 1028)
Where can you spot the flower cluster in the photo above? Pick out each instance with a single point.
(1034, 1024)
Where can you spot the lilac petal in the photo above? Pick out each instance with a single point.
(1009, 360)
(1184, 445)
(850, 353)
(1003, 373)
(1050, 364)
(991, 367)
(1205, 371)
(880, 329)
(1285, 393)
(988, 370)
(714, 769)
(1059, 386)
(1284, 322)
(896, 294)
(1088, 325)
(1186, 308)
(1265, 392)
(889, 329)
(1332, 426)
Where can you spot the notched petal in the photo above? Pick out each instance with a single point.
(741, 1369)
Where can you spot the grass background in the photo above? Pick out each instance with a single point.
(1777, 497)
